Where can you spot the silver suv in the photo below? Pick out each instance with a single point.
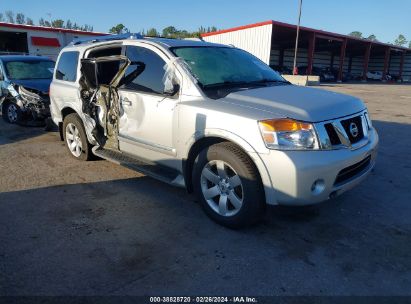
(213, 119)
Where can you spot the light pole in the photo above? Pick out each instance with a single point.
(296, 39)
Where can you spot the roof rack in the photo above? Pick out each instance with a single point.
(107, 38)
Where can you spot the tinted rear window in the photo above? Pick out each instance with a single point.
(67, 66)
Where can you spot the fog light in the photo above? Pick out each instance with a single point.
(318, 186)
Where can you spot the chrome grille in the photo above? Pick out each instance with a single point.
(332, 134)
(347, 132)
(348, 123)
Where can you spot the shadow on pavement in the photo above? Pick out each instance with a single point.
(142, 237)
(11, 133)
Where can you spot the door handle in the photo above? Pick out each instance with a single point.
(125, 101)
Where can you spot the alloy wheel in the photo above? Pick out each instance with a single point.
(12, 113)
(73, 140)
(222, 188)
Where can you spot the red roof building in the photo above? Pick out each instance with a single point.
(37, 40)
(274, 43)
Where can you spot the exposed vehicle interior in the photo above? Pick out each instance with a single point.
(100, 79)
(103, 72)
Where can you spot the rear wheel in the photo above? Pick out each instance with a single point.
(228, 186)
(11, 113)
(75, 138)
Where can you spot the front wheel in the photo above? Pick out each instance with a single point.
(228, 186)
(75, 138)
(12, 113)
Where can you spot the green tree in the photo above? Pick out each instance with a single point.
(1, 17)
(119, 29)
(29, 21)
(9, 16)
(69, 25)
(152, 32)
(183, 34)
(41, 22)
(87, 28)
(372, 37)
(20, 18)
(57, 23)
(401, 40)
(409, 45)
(201, 30)
(169, 32)
(355, 34)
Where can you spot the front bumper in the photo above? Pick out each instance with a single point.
(293, 173)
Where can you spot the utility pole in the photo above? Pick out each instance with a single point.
(296, 39)
(49, 14)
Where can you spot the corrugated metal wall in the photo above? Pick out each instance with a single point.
(323, 59)
(377, 64)
(256, 40)
(407, 67)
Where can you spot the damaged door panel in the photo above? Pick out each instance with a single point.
(149, 102)
(100, 80)
(25, 82)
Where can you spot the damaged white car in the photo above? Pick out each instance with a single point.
(213, 119)
(24, 84)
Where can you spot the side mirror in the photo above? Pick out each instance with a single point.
(172, 91)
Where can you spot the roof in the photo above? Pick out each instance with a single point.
(23, 58)
(164, 42)
(302, 28)
(170, 43)
(238, 28)
(48, 29)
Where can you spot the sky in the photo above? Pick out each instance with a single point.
(385, 19)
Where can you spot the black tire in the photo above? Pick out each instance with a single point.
(5, 113)
(253, 199)
(86, 153)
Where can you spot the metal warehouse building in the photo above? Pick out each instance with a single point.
(273, 42)
(37, 40)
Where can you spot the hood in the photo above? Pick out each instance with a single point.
(41, 85)
(301, 103)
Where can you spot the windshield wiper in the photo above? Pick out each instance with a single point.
(226, 84)
(261, 82)
(269, 81)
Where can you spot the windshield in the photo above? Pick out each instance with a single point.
(219, 66)
(30, 69)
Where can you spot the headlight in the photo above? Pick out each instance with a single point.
(13, 90)
(288, 134)
(29, 96)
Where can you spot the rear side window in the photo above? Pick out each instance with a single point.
(67, 66)
(150, 79)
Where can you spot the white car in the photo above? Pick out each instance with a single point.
(213, 119)
(373, 75)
